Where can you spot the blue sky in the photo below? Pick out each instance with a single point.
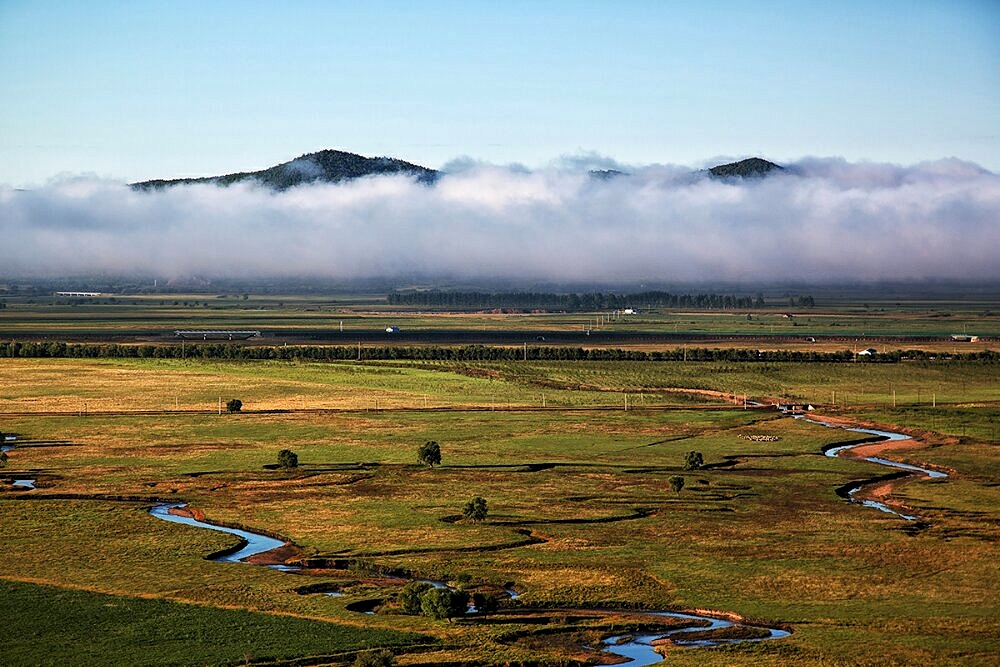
(166, 89)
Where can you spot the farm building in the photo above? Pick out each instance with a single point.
(392, 329)
(870, 352)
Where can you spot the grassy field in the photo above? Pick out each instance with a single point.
(834, 315)
(62, 624)
(759, 532)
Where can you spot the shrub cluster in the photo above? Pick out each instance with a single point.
(454, 353)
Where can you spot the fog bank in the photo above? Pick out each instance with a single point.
(823, 220)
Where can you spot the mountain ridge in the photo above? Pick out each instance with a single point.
(335, 166)
(753, 167)
(325, 166)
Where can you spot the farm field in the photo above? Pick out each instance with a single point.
(839, 322)
(583, 523)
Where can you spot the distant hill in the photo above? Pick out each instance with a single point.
(754, 167)
(327, 166)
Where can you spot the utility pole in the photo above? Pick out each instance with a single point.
(359, 350)
(526, 351)
(893, 398)
(341, 326)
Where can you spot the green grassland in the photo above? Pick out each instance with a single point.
(759, 532)
(833, 315)
(62, 626)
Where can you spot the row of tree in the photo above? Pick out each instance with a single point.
(30, 349)
(589, 301)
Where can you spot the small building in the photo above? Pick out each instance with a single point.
(964, 338)
(870, 352)
(80, 294)
(629, 311)
(392, 329)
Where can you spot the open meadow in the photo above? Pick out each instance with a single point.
(583, 522)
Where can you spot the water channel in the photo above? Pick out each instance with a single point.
(638, 648)
(887, 435)
(27, 484)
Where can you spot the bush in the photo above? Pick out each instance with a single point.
(235, 405)
(409, 597)
(694, 461)
(288, 459)
(475, 510)
(441, 603)
(676, 483)
(429, 454)
(486, 603)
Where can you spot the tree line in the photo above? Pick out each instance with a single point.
(38, 349)
(589, 301)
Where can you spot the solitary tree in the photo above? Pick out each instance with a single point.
(694, 461)
(409, 597)
(441, 603)
(288, 459)
(429, 454)
(475, 510)
(676, 483)
(235, 405)
(486, 603)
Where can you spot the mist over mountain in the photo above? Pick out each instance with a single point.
(326, 166)
(817, 220)
(754, 167)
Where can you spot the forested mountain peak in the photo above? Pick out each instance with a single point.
(326, 166)
(753, 167)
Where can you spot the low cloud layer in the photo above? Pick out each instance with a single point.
(824, 220)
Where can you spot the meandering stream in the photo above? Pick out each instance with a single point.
(888, 435)
(637, 647)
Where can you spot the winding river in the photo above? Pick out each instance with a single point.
(637, 647)
(887, 435)
(253, 543)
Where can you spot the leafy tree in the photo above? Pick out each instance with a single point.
(694, 461)
(676, 483)
(235, 405)
(288, 459)
(409, 597)
(380, 658)
(475, 510)
(441, 603)
(3, 459)
(429, 454)
(486, 603)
